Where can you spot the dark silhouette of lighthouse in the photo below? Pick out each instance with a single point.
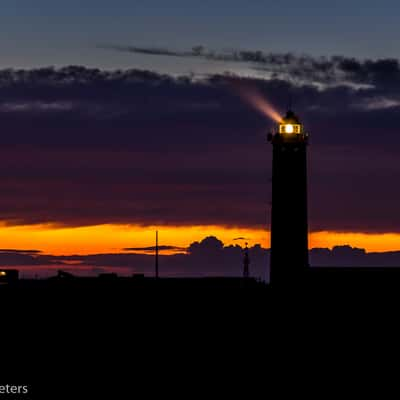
(289, 229)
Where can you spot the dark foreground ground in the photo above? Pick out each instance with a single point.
(129, 333)
(122, 338)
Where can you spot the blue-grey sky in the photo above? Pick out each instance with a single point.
(48, 32)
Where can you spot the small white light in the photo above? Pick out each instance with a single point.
(289, 128)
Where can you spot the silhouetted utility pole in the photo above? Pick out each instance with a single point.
(156, 254)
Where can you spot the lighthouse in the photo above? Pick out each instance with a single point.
(289, 227)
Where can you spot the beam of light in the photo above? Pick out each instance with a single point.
(253, 97)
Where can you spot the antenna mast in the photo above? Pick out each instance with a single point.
(246, 263)
(156, 255)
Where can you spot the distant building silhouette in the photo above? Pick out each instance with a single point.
(289, 228)
(9, 275)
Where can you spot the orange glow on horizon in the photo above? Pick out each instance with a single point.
(371, 242)
(114, 238)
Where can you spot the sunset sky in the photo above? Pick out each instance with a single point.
(96, 239)
(95, 157)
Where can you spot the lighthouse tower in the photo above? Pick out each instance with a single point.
(289, 229)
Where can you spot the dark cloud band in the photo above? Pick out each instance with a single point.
(303, 68)
(82, 146)
(208, 257)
